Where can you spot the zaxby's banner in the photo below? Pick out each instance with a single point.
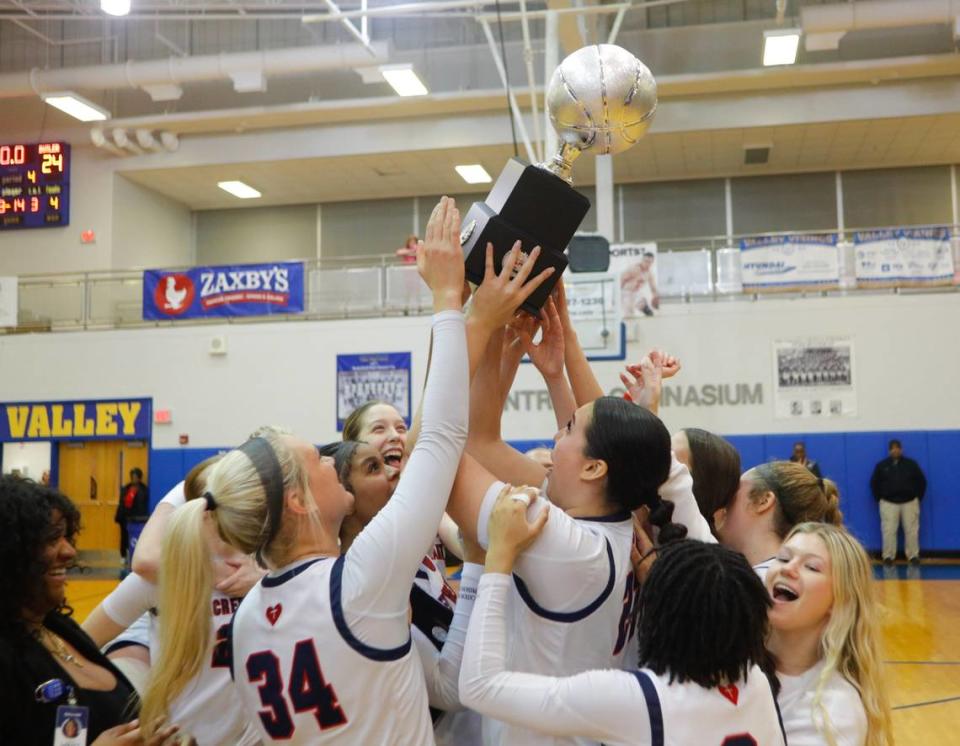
(76, 420)
(792, 262)
(903, 257)
(242, 290)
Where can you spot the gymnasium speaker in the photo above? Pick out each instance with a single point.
(589, 253)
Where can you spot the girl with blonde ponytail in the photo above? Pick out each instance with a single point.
(190, 676)
(825, 640)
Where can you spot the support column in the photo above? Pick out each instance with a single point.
(605, 197)
(551, 58)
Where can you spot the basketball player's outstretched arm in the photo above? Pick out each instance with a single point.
(602, 705)
(126, 603)
(380, 565)
(585, 386)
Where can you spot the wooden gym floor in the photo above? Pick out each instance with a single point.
(921, 635)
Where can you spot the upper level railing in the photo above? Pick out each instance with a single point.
(378, 286)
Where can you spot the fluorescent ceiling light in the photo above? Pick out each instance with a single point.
(115, 7)
(239, 189)
(76, 106)
(474, 174)
(403, 79)
(780, 46)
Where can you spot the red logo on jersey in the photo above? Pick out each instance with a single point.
(730, 692)
(273, 613)
(174, 294)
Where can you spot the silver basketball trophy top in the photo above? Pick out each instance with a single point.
(601, 98)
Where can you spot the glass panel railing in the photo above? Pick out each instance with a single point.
(694, 269)
(55, 302)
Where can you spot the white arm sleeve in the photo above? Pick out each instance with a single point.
(441, 668)
(678, 489)
(175, 497)
(130, 600)
(380, 565)
(566, 548)
(602, 705)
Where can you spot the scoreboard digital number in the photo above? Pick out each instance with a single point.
(34, 185)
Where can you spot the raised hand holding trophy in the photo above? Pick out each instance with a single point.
(600, 98)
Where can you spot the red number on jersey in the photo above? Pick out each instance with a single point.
(740, 739)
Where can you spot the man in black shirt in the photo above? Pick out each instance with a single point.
(799, 456)
(898, 485)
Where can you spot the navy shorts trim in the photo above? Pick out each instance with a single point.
(336, 607)
(569, 616)
(653, 707)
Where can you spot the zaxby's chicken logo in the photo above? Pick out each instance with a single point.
(174, 294)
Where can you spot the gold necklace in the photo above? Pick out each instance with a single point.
(55, 645)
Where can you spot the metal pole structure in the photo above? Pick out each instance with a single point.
(531, 82)
(514, 106)
(551, 49)
(604, 191)
(617, 22)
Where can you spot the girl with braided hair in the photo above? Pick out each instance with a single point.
(572, 600)
(703, 676)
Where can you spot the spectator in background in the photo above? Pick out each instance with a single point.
(134, 506)
(407, 253)
(898, 485)
(800, 457)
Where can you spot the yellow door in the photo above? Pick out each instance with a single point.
(90, 475)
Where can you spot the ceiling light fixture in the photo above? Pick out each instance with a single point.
(239, 190)
(403, 79)
(473, 173)
(780, 46)
(115, 7)
(76, 106)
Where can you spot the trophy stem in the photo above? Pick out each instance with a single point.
(562, 163)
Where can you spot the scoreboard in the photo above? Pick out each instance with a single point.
(34, 185)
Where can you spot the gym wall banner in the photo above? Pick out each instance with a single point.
(237, 290)
(382, 376)
(790, 262)
(635, 264)
(107, 419)
(914, 257)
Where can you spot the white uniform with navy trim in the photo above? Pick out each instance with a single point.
(322, 649)
(572, 604)
(619, 708)
(210, 691)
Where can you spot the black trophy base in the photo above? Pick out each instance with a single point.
(530, 205)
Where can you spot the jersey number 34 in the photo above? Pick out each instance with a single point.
(306, 691)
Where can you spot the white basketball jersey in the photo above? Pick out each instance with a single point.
(305, 679)
(594, 636)
(211, 691)
(744, 714)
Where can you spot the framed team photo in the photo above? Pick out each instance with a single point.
(811, 372)
(381, 376)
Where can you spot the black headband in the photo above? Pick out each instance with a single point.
(264, 460)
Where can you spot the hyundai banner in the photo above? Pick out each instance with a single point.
(792, 262)
(903, 257)
(240, 290)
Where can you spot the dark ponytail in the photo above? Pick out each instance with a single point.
(661, 517)
(635, 445)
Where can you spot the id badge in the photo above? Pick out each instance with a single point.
(71, 726)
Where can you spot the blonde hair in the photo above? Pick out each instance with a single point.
(850, 644)
(801, 497)
(185, 577)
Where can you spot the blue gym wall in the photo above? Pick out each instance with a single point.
(848, 459)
